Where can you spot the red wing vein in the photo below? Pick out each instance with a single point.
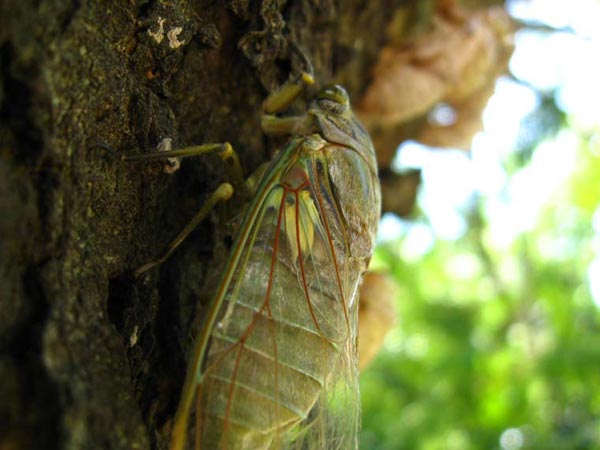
(293, 325)
(334, 259)
(318, 232)
(249, 388)
(253, 323)
(231, 390)
(280, 215)
(283, 364)
(301, 262)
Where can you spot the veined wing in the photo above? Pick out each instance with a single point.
(280, 369)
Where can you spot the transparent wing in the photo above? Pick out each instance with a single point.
(280, 372)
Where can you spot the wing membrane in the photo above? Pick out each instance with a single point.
(280, 369)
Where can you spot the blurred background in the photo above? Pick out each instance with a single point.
(497, 339)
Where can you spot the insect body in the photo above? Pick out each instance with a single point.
(274, 366)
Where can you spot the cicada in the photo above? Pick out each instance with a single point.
(274, 365)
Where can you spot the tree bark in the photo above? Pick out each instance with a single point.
(91, 357)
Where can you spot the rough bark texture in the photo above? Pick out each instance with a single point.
(91, 357)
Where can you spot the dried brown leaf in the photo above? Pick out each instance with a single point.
(376, 314)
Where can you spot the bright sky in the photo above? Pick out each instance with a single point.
(562, 61)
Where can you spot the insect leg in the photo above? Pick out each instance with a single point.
(224, 150)
(286, 94)
(280, 126)
(279, 101)
(221, 194)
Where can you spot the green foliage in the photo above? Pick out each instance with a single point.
(498, 344)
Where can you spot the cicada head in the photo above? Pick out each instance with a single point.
(337, 123)
(333, 99)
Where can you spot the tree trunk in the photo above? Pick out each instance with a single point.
(90, 356)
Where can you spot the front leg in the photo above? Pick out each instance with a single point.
(284, 96)
(279, 101)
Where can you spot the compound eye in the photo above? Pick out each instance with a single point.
(333, 98)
